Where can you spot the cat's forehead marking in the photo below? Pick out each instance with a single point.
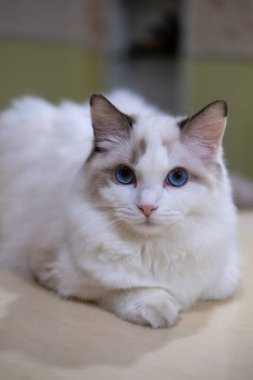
(167, 143)
(153, 137)
(139, 150)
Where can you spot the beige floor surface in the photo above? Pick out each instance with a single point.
(44, 337)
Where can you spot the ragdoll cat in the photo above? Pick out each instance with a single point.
(135, 213)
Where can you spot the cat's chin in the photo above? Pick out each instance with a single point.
(146, 228)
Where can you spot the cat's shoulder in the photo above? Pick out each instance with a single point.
(27, 104)
(37, 114)
(26, 111)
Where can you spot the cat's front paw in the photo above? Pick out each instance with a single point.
(147, 307)
(156, 308)
(43, 269)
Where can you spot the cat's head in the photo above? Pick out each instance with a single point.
(151, 172)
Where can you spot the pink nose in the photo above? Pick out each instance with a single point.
(147, 209)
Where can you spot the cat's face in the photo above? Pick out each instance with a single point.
(149, 173)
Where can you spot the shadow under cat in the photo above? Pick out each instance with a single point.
(60, 333)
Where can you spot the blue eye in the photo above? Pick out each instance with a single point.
(124, 175)
(177, 177)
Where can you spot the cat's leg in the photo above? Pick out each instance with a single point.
(42, 265)
(53, 269)
(144, 306)
(225, 285)
(153, 307)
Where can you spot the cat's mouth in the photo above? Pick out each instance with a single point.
(148, 223)
(148, 228)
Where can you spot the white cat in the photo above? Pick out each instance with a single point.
(138, 219)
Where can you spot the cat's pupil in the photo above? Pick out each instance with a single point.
(177, 175)
(125, 172)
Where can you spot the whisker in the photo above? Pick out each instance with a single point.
(110, 222)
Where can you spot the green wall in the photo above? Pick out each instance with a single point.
(59, 71)
(51, 70)
(233, 82)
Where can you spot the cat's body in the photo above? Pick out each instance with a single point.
(144, 250)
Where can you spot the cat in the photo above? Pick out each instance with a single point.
(119, 203)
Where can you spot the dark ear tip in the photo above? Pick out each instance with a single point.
(223, 106)
(95, 97)
(220, 105)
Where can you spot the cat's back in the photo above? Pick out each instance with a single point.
(38, 138)
(41, 148)
(40, 142)
(33, 126)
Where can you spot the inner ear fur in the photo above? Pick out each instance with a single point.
(206, 127)
(107, 120)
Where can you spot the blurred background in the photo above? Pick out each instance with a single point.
(180, 55)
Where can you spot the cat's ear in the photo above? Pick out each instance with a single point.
(109, 124)
(206, 127)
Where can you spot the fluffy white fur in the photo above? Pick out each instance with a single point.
(90, 240)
